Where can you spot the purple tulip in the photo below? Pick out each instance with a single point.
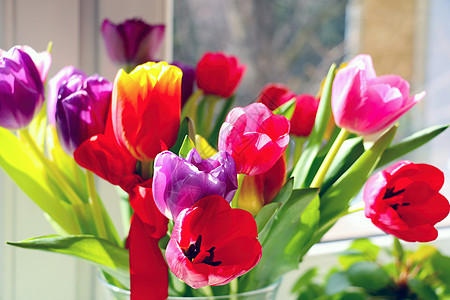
(21, 89)
(53, 88)
(132, 42)
(179, 183)
(42, 60)
(82, 109)
(187, 81)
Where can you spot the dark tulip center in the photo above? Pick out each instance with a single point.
(194, 253)
(390, 193)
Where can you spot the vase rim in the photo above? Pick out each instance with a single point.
(272, 286)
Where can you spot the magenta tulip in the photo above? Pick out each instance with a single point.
(255, 138)
(363, 103)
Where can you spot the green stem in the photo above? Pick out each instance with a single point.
(57, 175)
(147, 169)
(320, 176)
(235, 201)
(190, 107)
(234, 286)
(298, 148)
(96, 207)
(207, 290)
(211, 102)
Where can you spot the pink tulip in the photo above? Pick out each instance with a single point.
(364, 103)
(254, 137)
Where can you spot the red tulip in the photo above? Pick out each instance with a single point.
(211, 243)
(146, 108)
(148, 269)
(404, 200)
(302, 122)
(259, 190)
(219, 74)
(102, 155)
(255, 138)
(274, 95)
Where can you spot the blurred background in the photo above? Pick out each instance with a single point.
(289, 41)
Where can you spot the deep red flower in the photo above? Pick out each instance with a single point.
(148, 269)
(404, 200)
(302, 122)
(274, 95)
(102, 155)
(211, 243)
(219, 74)
(255, 138)
(146, 108)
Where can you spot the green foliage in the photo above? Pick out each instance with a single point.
(102, 253)
(370, 272)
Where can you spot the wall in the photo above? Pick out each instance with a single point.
(73, 26)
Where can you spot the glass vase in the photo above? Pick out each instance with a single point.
(266, 293)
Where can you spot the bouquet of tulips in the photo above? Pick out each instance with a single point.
(221, 200)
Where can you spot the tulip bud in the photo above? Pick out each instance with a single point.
(21, 89)
(219, 74)
(132, 42)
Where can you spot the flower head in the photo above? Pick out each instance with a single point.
(42, 60)
(364, 103)
(82, 109)
(211, 243)
(178, 183)
(53, 89)
(404, 200)
(146, 108)
(132, 42)
(274, 95)
(21, 89)
(255, 138)
(219, 74)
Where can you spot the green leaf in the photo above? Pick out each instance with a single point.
(410, 143)
(302, 168)
(368, 275)
(285, 192)
(441, 266)
(398, 251)
(349, 152)
(182, 133)
(293, 224)
(335, 201)
(360, 250)
(265, 215)
(337, 283)
(23, 167)
(304, 280)
(100, 252)
(38, 126)
(286, 109)
(352, 296)
(204, 149)
(214, 136)
(187, 146)
(423, 290)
